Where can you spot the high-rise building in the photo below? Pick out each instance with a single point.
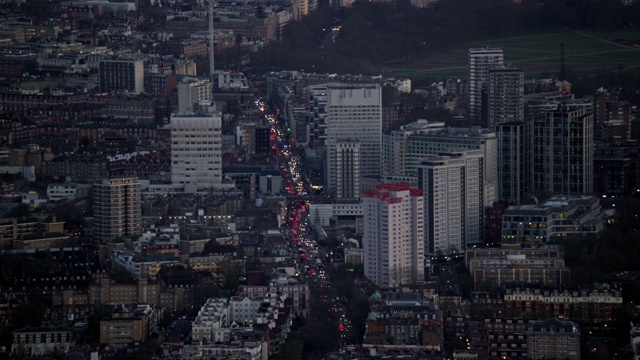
(122, 74)
(405, 149)
(515, 161)
(196, 150)
(347, 170)
(480, 61)
(192, 91)
(453, 201)
(354, 114)
(317, 114)
(505, 95)
(393, 235)
(563, 151)
(612, 117)
(117, 208)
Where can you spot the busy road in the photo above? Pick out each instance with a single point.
(311, 259)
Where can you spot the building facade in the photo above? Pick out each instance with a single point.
(347, 170)
(405, 149)
(354, 113)
(196, 150)
(492, 269)
(193, 91)
(117, 205)
(564, 151)
(122, 74)
(42, 341)
(505, 95)
(453, 201)
(481, 60)
(393, 235)
(612, 117)
(515, 161)
(553, 339)
(533, 226)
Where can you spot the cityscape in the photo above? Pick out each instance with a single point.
(252, 180)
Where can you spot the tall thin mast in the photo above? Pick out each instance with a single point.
(212, 63)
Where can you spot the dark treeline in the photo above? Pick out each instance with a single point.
(377, 34)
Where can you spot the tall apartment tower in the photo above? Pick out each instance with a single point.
(317, 114)
(192, 91)
(393, 235)
(117, 208)
(481, 60)
(505, 95)
(563, 151)
(354, 114)
(405, 149)
(196, 150)
(515, 160)
(612, 117)
(347, 170)
(122, 74)
(453, 201)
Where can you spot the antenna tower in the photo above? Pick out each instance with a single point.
(212, 64)
(562, 62)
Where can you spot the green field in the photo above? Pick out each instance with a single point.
(586, 53)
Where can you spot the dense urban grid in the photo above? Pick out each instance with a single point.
(168, 191)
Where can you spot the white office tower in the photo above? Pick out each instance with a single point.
(347, 170)
(395, 152)
(196, 150)
(393, 235)
(405, 149)
(480, 61)
(354, 113)
(505, 96)
(191, 92)
(453, 201)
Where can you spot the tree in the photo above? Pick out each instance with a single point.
(20, 211)
(291, 349)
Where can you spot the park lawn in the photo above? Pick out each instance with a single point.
(539, 54)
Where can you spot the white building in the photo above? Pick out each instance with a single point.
(212, 322)
(405, 149)
(480, 61)
(192, 91)
(42, 341)
(354, 113)
(230, 80)
(242, 310)
(141, 266)
(454, 201)
(393, 235)
(396, 156)
(196, 150)
(67, 191)
(321, 214)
